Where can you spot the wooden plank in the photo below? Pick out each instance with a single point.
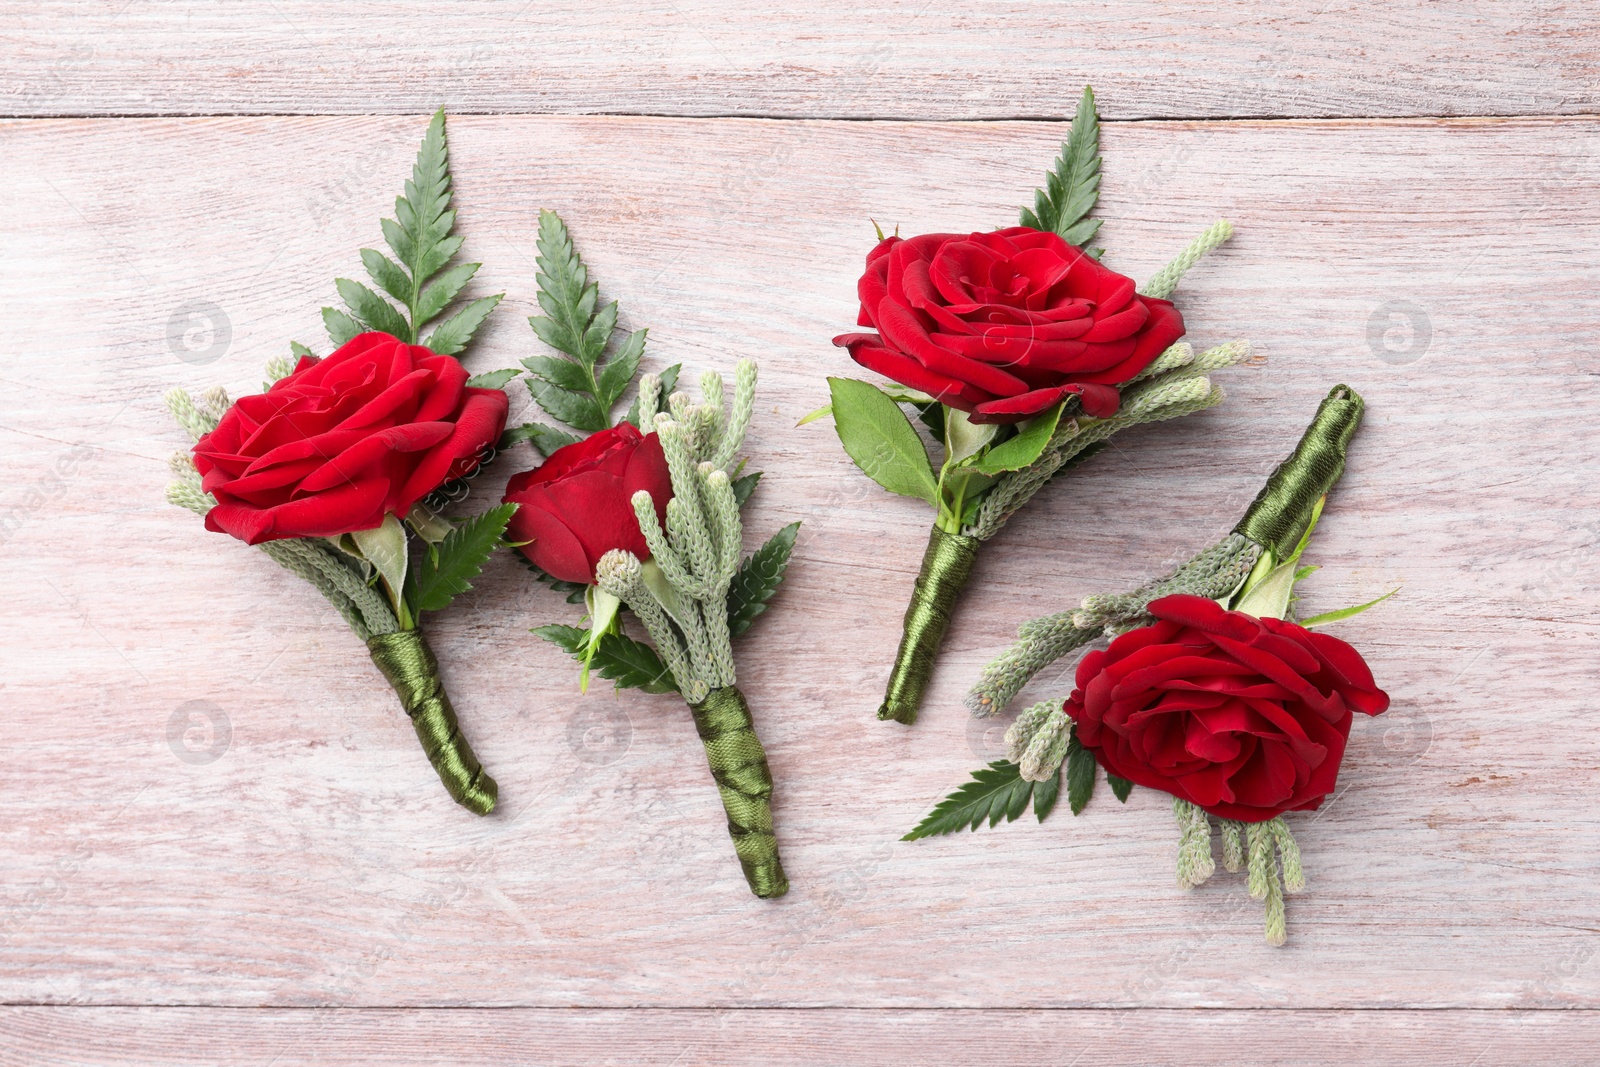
(174, 1037)
(317, 862)
(826, 59)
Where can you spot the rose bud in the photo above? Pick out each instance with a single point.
(343, 441)
(577, 505)
(1005, 325)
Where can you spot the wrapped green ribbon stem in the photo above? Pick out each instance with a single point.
(408, 663)
(1281, 512)
(946, 566)
(739, 766)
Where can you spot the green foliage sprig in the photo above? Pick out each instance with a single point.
(423, 283)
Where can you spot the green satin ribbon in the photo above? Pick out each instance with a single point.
(1278, 517)
(739, 765)
(407, 661)
(946, 566)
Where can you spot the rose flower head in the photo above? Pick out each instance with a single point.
(1005, 325)
(578, 504)
(343, 441)
(1244, 717)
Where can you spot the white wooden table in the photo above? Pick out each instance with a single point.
(1415, 189)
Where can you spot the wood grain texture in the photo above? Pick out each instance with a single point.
(824, 59)
(178, 1037)
(316, 862)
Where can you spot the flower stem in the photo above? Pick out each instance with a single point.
(407, 662)
(739, 765)
(946, 566)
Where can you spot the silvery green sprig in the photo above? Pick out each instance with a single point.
(681, 593)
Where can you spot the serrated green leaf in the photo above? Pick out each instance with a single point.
(443, 289)
(758, 579)
(1120, 786)
(575, 592)
(420, 238)
(1346, 613)
(1072, 188)
(1080, 774)
(877, 435)
(565, 293)
(996, 792)
(743, 487)
(495, 379)
(299, 351)
(546, 439)
(1021, 450)
(341, 327)
(631, 664)
(454, 333)
(447, 572)
(561, 373)
(577, 410)
(388, 274)
(669, 381)
(620, 369)
(1045, 795)
(572, 324)
(372, 310)
(598, 334)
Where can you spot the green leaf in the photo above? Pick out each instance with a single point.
(1023, 449)
(877, 435)
(578, 410)
(1120, 786)
(823, 412)
(561, 373)
(385, 548)
(372, 310)
(1045, 795)
(1345, 613)
(964, 438)
(758, 579)
(579, 391)
(495, 379)
(1072, 188)
(389, 275)
(996, 792)
(455, 333)
(1080, 774)
(341, 327)
(631, 664)
(620, 368)
(299, 351)
(565, 292)
(743, 487)
(546, 439)
(448, 571)
(669, 381)
(575, 592)
(420, 238)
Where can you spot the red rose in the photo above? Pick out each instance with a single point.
(578, 505)
(1004, 325)
(344, 441)
(1244, 717)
